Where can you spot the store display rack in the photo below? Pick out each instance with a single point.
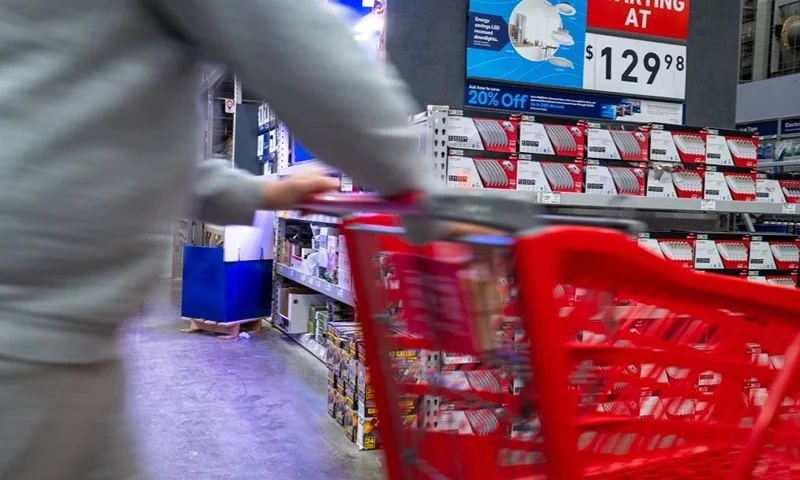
(317, 284)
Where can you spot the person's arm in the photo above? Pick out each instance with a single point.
(304, 61)
(229, 196)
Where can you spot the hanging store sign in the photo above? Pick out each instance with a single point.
(762, 129)
(544, 42)
(790, 126)
(529, 100)
(637, 67)
(659, 18)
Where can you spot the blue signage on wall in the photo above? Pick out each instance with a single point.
(790, 126)
(527, 41)
(762, 129)
(579, 105)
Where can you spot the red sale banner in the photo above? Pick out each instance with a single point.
(660, 18)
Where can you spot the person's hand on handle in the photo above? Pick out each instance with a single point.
(289, 192)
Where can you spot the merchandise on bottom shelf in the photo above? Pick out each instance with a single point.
(782, 279)
(617, 142)
(685, 181)
(544, 135)
(483, 131)
(774, 252)
(676, 247)
(670, 143)
(473, 169)
(729, 183)
(539, 173)
(768, 190)
(721, 251)
(615, 178)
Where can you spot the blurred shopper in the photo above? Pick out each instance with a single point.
(97, 151)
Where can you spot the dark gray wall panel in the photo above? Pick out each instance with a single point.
(713, 63)
(427, 42)
(766, 99)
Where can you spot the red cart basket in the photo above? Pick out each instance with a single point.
(567, 352)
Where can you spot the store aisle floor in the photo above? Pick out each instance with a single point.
(210, 409)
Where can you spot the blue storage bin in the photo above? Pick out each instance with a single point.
(224, 291)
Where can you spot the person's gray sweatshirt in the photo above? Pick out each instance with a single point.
(98, 145)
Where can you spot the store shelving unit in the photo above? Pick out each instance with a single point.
(317, 284)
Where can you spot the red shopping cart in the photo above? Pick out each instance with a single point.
(566, 352)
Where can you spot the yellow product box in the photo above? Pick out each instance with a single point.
(367, 434)
(350, 424)
(332, 402)
(352, 374)
(332, 379)
(340, 409)
(350, 396)
(341, 387)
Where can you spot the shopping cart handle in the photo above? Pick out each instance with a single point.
(478, 207)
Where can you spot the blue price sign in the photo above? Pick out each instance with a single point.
(527, 41)
(762, 129)
(588, 106)
(790, 126)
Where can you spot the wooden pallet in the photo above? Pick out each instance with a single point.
(226, 330)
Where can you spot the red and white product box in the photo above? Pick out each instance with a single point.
(791, 190)
(761, 257)
(468, 170)
(768, 190)
(677, 144)
(546, 136)
(786, 253)
(729, 183)
(786, 280)
(616, 144)
(615, 179)
(731, 148)
(717, 252)
(478, 133)
(537, 175)
(679, 183)
(674, 247)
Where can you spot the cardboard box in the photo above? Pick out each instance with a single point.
(296, 314)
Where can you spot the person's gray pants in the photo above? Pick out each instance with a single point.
(64, 422)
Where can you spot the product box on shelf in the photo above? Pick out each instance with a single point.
(675, 247)
(544, 135)
(784, 279)
(480, 130)
(540, 173)
(731, 148)
(768, 190)
(774, 252)
(729, 183)
(610, 177)
(721, 251)
(475, 169)
(790, 186)
(675, 181)
(332, 401)
(617, 142)
(677, 143)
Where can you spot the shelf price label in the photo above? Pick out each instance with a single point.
(550, 198)
(328, 288)
(789, 208)
(340, 293)
(708, 205)
(636, 67)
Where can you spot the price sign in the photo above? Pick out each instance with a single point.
(661, 18)
(789, 208)
(708, 205)
(638, 67)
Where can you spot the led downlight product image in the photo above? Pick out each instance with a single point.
(785, 252)
(688, 181)
(733, 252)
(741, 184)
(791, 190)
(627, 180)
(626, 143)
(558, 176)
(678, 251)
(491, 133)
(690, 144)
(561, 138)
(744, 149)
(492, 174)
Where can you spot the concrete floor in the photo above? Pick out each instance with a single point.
(210, 409)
